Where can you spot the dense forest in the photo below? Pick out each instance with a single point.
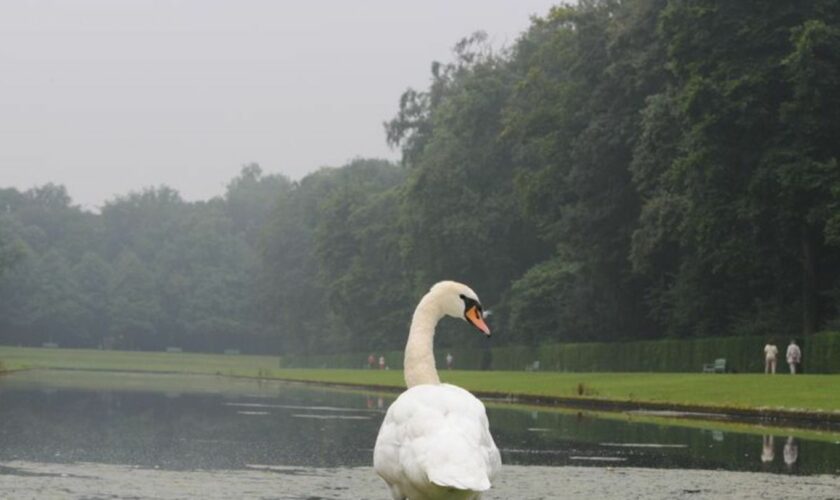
(626, 170)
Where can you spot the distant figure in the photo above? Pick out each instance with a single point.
(371, 361)
(449, 360)
(791, 451)
(770, 353)
(381, 362)
(767, 451)
(794, 356)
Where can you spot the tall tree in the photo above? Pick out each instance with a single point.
(461, 217)
(723, 187)
(586, 72)
(357, 241)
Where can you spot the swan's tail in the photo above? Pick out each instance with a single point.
(463, 476)
(466, 483)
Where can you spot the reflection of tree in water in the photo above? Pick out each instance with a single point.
(213, 431)
(183, 432)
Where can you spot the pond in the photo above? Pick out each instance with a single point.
(188, 422)
(182, 423)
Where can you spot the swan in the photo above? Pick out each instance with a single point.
(435, 441)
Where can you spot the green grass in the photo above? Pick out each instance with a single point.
(802, 392)
(714, 424)
(15, 358)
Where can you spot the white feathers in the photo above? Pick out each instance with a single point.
(435, 440)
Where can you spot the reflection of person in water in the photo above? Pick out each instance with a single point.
(791, 451)
(767, 452)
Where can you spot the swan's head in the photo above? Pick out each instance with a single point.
(459, 301)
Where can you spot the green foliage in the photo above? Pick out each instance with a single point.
(742, 354)
(725, 166)
(626, 171)
(812, 392)
(535, 315)
(358, 249)
(150, 271)
(586, 72)
(821, 352)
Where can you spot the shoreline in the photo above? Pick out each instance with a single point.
(773, 417)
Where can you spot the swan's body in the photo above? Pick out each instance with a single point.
(435, 440)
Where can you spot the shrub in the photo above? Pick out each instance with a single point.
(821, 354)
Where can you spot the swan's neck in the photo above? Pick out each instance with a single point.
(419, 362)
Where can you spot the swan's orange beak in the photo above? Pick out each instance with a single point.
(474, 316)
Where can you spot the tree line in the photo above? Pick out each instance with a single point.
(625, 170)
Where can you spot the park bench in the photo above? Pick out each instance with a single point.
(719, 366)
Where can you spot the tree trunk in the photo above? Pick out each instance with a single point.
(809, 282)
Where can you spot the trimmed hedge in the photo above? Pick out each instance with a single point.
(821, 354)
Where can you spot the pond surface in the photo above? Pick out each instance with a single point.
(177, 422)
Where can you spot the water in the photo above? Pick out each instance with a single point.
(185, 423)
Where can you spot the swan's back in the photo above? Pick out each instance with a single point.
(434, 443)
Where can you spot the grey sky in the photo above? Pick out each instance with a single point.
(109, 96)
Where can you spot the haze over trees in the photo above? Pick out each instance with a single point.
(625, 170)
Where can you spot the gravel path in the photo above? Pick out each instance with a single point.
(88, 481)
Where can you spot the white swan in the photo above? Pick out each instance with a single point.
(435, 441)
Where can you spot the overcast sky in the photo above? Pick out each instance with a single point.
(109, 96)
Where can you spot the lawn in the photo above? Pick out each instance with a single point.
(802, 392)
(14, 358)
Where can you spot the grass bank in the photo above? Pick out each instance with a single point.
(804, 393)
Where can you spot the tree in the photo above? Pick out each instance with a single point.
(134, 308)
(250, 199)
(723, 188)
(357, 241)
(92, 277)
(585, 74)
(807, 154)
(460, 215)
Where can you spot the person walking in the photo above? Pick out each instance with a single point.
(794, 356)
(770, 353)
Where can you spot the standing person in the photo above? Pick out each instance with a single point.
(794, 356)
(371, 361)
(770, 353)
(381, 362)
(449, 359)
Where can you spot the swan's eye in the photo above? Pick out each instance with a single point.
(470, 303)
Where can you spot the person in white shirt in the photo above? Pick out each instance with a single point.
(794, 356)
(770, 353)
